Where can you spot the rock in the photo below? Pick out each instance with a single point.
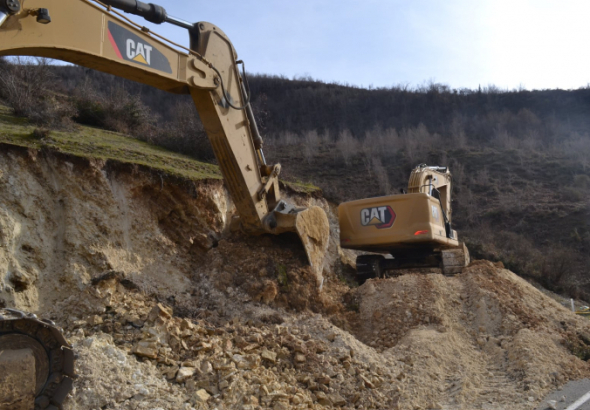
(88, 342)
(185, 373)
(146, 349)
(268, 355)
(95, 320)
(160, 311)
(206, 367)
(367, 382)
(337, 400)
(300, 358)
(170, 372)
(552, 404)
(322, 398)
(279, 405)
(186, 325)
(141, 389)
(201, 396)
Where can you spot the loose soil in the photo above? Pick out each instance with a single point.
(167, 308)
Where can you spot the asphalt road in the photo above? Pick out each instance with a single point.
(577, 397)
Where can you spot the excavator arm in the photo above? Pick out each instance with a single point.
(94, 35)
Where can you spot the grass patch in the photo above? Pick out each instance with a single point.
(88, 142)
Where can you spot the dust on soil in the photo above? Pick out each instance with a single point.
(168, 309)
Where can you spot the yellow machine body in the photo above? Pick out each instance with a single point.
(414, 228)
(393, 222)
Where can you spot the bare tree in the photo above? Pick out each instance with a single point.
(347, 146)
(23, 85)
(381, 176)
(311, 143)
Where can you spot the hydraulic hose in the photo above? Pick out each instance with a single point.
(151, 12)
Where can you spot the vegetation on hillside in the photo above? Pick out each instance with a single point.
(520, 159)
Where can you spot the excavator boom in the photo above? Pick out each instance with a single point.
(92, 34)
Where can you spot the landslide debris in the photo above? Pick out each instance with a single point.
(482, 339)
(169, 309)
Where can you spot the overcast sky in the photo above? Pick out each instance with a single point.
(534, 44)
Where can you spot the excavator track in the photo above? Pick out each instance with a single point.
(449, 261)
(36, 362)
(454, 260)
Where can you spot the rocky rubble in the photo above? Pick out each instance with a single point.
(202, 365)
(168, 309)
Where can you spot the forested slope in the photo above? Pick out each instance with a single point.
(520, 159)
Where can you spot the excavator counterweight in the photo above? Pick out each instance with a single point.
(414, 229)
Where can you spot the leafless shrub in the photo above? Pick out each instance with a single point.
(391, 142)
(311, 143)
(417, 141)
(577, 147)
(504, 140)
(459, 174)
(380, 175)
(482, 177)
(40, 133)
(457, 130)
(347, 146)
(326, 138)
(582, 181)
(115, 110)
(184, 134)
(556, 264)
(287, 138)
(370, 146)
(24, 86)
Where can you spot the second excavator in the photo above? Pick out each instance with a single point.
(414, 229)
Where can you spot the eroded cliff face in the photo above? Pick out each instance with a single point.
(167, 308)
(65, 221)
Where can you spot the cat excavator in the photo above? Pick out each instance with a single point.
(96, 35)
(413, 230)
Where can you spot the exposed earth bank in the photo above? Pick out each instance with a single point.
(167, 308)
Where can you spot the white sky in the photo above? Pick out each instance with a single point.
(534, 44)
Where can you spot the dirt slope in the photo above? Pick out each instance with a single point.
(168, 309)
(482, 339)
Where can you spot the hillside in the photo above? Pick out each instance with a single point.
(519, 158)
(167, 308)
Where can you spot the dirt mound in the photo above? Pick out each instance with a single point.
(484, 338)
(168, 309)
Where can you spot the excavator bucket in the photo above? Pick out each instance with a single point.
(313, 228)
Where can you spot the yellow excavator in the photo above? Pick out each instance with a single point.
(413, 229)
(94, 34)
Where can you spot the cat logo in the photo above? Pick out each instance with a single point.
(129, 46)
(139, 52)
(381, 217)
